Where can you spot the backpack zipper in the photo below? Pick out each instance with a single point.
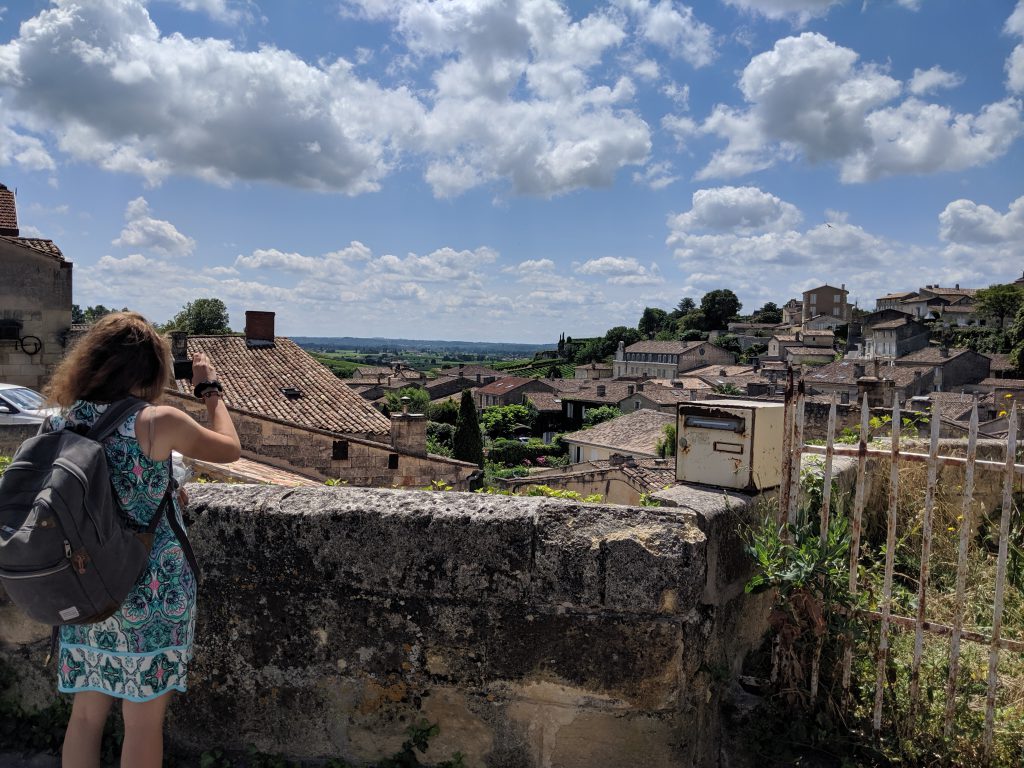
(62, 566)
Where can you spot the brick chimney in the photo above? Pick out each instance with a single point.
(8, 213)
(179, 355)
(259, 328)
(600, 390)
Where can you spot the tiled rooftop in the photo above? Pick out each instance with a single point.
(664, 347)
(716, 370)
(932, 355)
(504, 385)
(1000, 362)
(254, 377)
(8, 210)
(635, 433)
(545, 402)
(889, 325)
(36, 244)
(667, 395)
(614, 391)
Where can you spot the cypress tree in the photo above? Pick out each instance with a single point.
(468, 445)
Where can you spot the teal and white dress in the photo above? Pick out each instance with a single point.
(144, 649)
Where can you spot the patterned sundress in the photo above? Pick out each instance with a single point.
(143, 650)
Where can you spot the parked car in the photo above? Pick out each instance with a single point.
(21, 405)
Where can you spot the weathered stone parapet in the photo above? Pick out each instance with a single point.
(534, 632)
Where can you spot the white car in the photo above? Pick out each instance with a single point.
(21, 405)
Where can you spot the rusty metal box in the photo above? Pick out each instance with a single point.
(734, 444)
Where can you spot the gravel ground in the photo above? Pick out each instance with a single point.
(20, 760)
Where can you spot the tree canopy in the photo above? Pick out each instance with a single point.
(769, 313)
(719, 306)
(201, 317)
(999, 301)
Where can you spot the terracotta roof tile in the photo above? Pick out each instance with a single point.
(254, 377)
(614, 391)
(1000, 362)
(36, 244)
(545, 402)
(635, 433)
(505, 385)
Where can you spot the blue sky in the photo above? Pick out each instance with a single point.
(508, 171)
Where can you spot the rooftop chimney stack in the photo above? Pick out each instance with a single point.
(8, 213)
(259, 329)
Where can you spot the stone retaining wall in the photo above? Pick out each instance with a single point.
(534, 632)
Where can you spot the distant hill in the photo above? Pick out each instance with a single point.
(487, 348)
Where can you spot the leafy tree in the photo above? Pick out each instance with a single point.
(652, 322)
(692, 334)
(444, 412)
(201, 317)
(91, 314)
(502, 420)
(619, 333)
(730, 342)
(603, 413)
(666, 445)
(719, 306)
(1015, 337)
(694, 320)
(769, 313)
(468, 444)
(686, 304)
(419, 400)
(999, 301)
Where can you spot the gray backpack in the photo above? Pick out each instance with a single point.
(68, 555)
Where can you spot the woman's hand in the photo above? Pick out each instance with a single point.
(202, 369)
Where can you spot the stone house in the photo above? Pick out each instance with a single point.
(577, 400)
(892, 339)
(35, 302)
(800, 354)
(954, 368)
(294, 413)
(892, 300)
(792, 312)
(634, 434)
(666, 359)
(824, 322)
(849, 379)
(509, 390)
(826, 300)
(777, 345)
(593, 371)
(659, 398)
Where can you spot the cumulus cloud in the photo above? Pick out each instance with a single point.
(117, 93)
(144, 232)
(532, 270)
(809, 98)
(737, 210)
(1015, 62)
(621, 271)
(934, 79)
(965, 222)
(674, 27)
(221, 10)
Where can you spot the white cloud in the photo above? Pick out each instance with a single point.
(115, 92)
(928, 80)
(800, 11)
(621, 271)
(221, 10)
(964, 222)
(674, 27)
(656, 175)
(736, 210)
(1015, 62)
(808, 98)
(532, 270)
(144, 232)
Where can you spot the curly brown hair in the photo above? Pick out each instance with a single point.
(121, 354)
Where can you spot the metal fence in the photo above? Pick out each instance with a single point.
(794, 447)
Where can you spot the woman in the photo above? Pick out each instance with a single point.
(141, 653)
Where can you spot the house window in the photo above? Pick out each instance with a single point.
(578, 450)
(636, 405)
(339, 450)
(838, 299)
(392, 461)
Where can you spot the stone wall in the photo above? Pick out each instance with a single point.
(322, 455)
(36, 291)
(13, 435)
(534, 632)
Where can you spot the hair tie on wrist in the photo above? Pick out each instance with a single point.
(207, 386)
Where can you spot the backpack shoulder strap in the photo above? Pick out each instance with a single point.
(115, 415)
